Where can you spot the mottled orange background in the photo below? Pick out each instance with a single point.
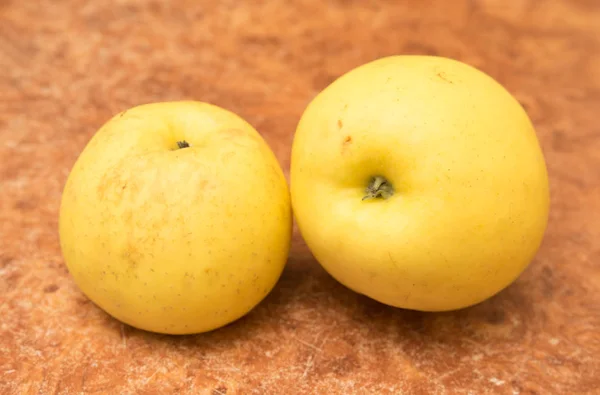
(67, 66)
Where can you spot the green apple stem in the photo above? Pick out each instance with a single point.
(183, 144)
(378, 187)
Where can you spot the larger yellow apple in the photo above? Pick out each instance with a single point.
(176, 218)
(419, 181)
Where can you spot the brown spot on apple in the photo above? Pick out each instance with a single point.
(117, 183)
(444, 77)
(110, 186)
(346, 143)
(131, 254)
(340, 123)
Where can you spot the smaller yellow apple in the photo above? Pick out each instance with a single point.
(176, 218)
(419, 182)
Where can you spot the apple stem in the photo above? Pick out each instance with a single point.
(183, 144)
(378, 187)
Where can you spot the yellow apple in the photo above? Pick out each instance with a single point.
(176, 217)
(419, 182)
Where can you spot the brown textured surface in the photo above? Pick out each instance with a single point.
(66, 66)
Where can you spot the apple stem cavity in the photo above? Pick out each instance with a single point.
(182, 144)
(378, 187)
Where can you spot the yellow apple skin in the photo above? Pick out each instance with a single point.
(471, 198)
(170, 240)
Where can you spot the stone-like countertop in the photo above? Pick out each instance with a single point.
(67, 66)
